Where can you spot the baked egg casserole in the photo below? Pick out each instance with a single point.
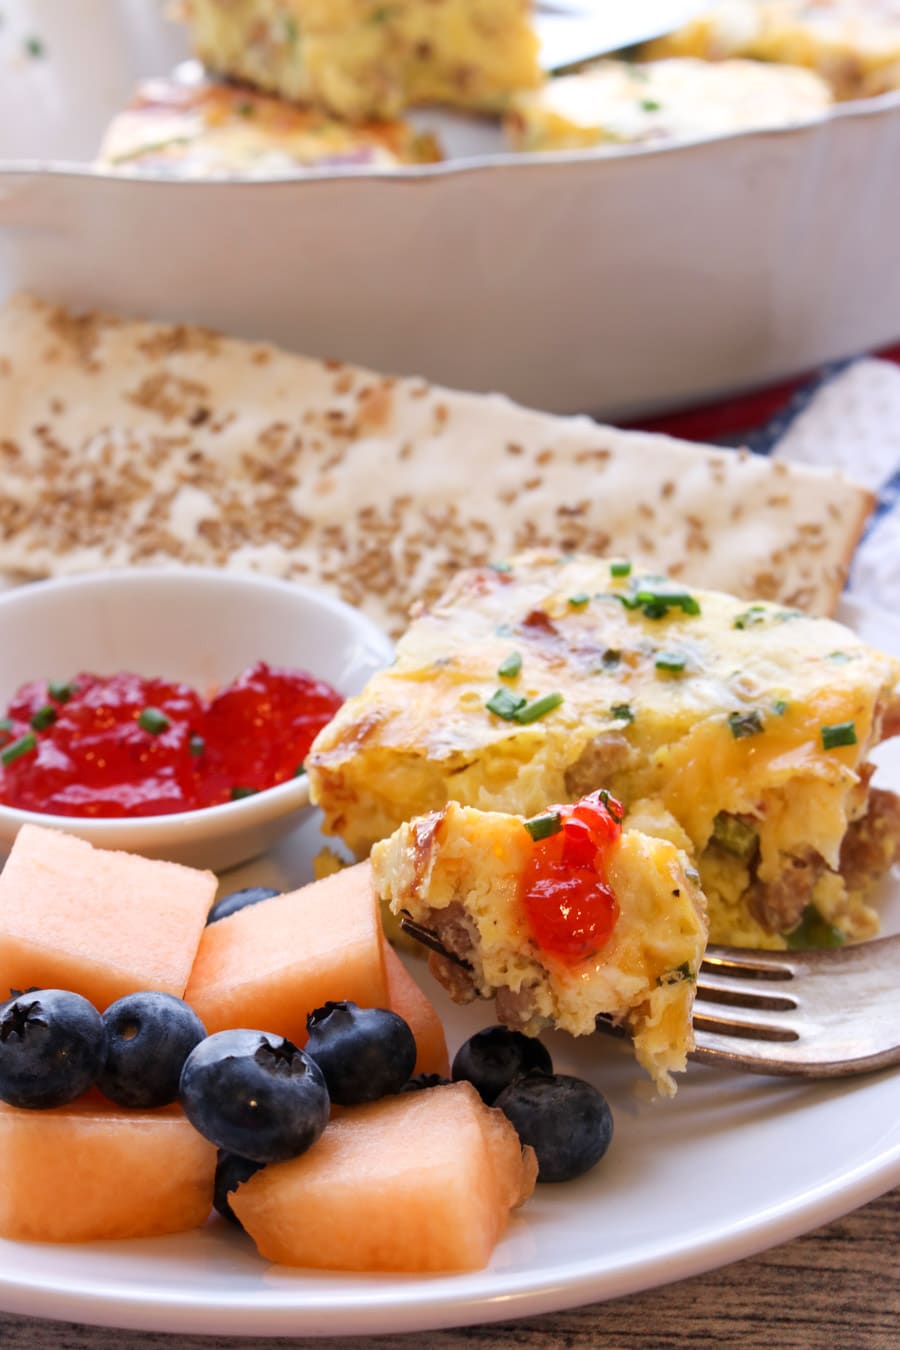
(209, 130)
(739, 731)
(621, 103)
(366, 58)
(560, 919)
(853, 44)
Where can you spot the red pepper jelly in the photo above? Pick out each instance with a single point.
(125, 745)
(570, 906)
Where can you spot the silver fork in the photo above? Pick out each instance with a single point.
(814, 1014)
(817, 1014)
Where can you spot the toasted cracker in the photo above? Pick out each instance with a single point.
(128, 442)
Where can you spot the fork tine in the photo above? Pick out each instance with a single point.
(731, 1020)
(738, 993)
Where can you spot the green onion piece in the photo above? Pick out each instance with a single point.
(539, 707)
(745, 724)
(44, 717)
(620, 569)
(580, 600)
(504, 703)
(61, 690)
(153, 720)
(622, 712)
(607, 801)
(238, 792)
(682, 972)
(842, 733)
(541, 827)
(16, 749)
(813, 931)
(510, 666)
(674, 662)
(35, 48)
(656, 603)
(502, 567)
(839, 658)
(650, 105)
(611, 657)
(197, 745)
(780, 707)
(300, 769)
(750, 617)
(735, 836)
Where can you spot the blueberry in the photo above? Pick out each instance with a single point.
(231, 1170)
(230, 904)
(566, 1121)
(492, 1058)
(149, 1036)
(52, 1047)
(364, 1053)
(424, 1080)
(254, 1094)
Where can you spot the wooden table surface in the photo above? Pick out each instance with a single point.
(836, 1289)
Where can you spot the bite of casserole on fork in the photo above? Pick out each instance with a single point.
(560, 919)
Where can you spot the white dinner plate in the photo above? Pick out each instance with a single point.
(734, 1164)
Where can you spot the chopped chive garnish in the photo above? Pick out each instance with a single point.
(300, 769)
(61, 690)
(780, 707)
(197, 745)
(650, 105)
(541, 827)
(745, 724)
(611, 805)
(842, 733)
(35, 48)
(580, 600)
(750, 617)
(538, 708)
(510, 666)
(620, 569)
(16, 749)
(238, 792)
(504, 703)
(655, 602)
(735, 836)
(622, 712)
(673, 662)
(44, 717)
(839, 658)
(153, 720)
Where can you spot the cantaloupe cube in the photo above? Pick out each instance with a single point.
(420, 1182)
(98, 922)
(406, 998)
(270, 964)
(92, 1171)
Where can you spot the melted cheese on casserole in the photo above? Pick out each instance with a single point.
(370, 58)
(742, 711)
(216, 131)
(620, 103)
(853, 44)
(643, 977)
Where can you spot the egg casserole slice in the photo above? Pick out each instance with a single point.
(464, 874)
(853, 44)
(371, 58)
(740, 731)
(209, 130)
(621, 103)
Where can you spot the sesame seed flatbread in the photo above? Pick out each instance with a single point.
(125, 442)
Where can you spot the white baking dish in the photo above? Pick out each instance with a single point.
(612, 284)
